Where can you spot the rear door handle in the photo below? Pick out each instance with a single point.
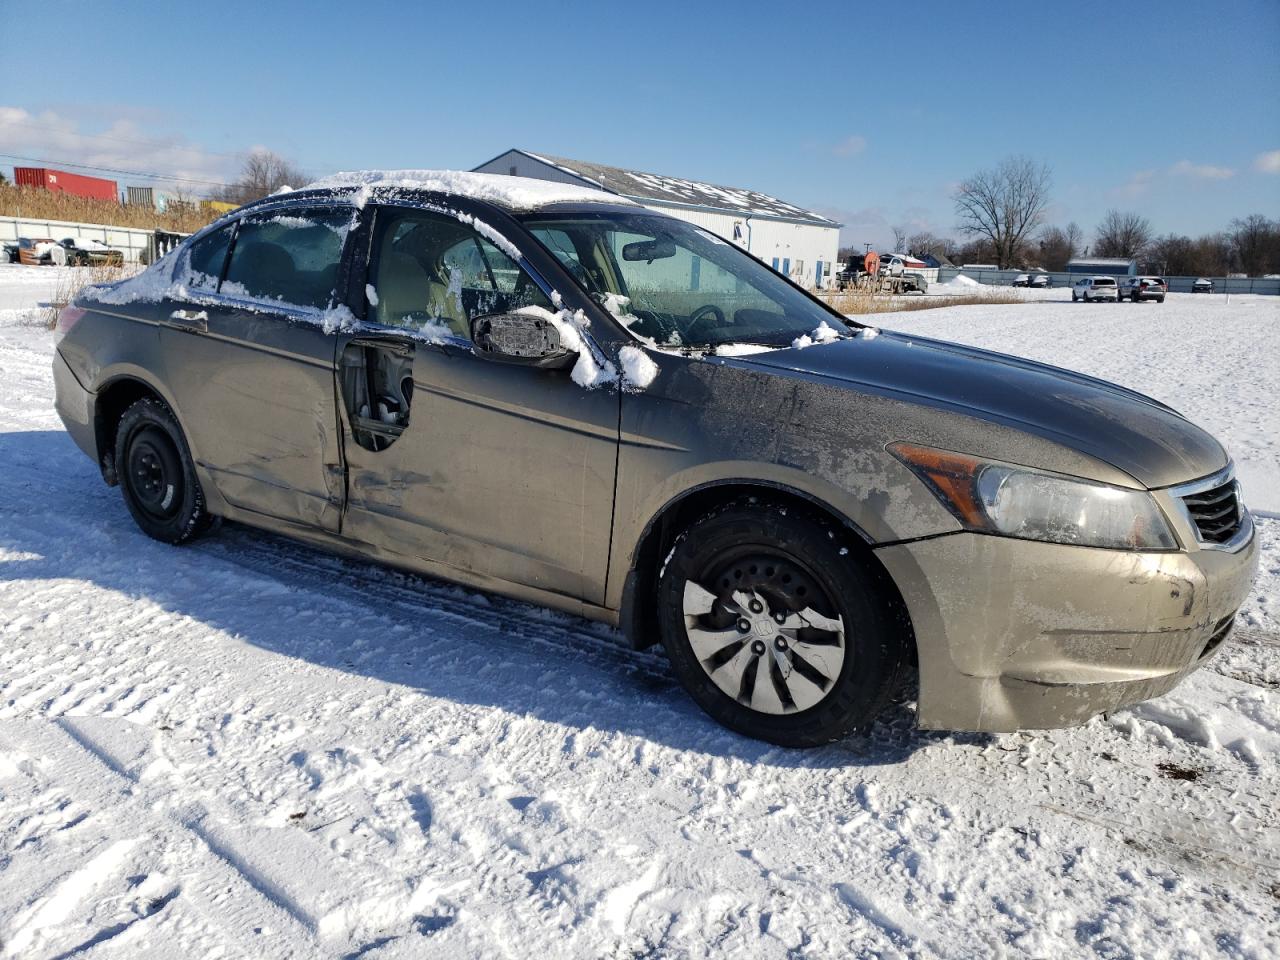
(193, 320)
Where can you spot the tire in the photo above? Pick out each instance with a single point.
(1074, 298)
(845, 649)
(157, 476)
(1159, 299)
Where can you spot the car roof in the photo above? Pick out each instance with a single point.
(514, 194)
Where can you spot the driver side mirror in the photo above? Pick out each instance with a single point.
(520, 338)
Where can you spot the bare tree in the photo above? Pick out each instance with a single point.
(263, 174)
(1058, 246)
(1257, 244)
(899, 239)
(1004, 205)
(1122, 235)
(919, 244)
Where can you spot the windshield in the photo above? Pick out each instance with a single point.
(676, 284)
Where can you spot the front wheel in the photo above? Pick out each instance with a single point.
(156, 474)
(775, 627)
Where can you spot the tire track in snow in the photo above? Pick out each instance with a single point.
(224, 898)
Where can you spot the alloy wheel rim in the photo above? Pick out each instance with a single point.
(754, 629)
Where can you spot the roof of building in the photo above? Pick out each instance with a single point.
(656, 188)
(1100, 261)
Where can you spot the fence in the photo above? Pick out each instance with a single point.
(136, 244)
(1270, 285)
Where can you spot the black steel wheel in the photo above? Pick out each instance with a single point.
(157, 476)
(776, 628)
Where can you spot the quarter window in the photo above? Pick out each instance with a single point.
(291, 257)
(206, 258)
(436, 274)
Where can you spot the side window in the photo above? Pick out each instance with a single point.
(291, 257)
(432, 271)
(206, 258)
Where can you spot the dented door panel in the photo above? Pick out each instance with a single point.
(500, 470)
(257, 393)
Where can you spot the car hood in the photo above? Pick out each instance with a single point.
(1144, 438)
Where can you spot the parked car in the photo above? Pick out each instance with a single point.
(1144, 288)
(1021, 280)
(1203, 285)
(1040, 281)
(83, 252)
(1095, 288)
(521, 386)
(34, 251)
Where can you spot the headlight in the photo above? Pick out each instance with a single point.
(1036, 505)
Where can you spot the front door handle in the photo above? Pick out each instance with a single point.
(193, 320)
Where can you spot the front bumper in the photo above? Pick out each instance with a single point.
(1016, 634)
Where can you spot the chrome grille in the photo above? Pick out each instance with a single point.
(1215, 512)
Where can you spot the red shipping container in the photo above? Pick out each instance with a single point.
(59, 181)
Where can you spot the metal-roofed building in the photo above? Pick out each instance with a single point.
(794, 241)
(1103, 266)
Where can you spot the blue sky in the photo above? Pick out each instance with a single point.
(1169, 109)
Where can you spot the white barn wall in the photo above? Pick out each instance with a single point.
(794, 243)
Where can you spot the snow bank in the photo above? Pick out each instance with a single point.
(958, 284)
(514, 193)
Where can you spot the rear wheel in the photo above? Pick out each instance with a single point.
(774, 627)
(157, 476)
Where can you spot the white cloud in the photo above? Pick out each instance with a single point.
(1185, 168)
(1136, 185)
(1267, 162)
(850, 146)
(121, 145)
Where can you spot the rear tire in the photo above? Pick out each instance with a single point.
(157, 476)
(761, 586)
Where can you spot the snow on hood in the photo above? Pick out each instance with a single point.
(513, 193)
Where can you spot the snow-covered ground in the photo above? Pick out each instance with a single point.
(246, 748)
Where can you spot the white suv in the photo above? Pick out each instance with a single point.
(1095, 288)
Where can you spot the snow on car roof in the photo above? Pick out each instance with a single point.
(513, 193)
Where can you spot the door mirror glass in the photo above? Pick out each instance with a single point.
(520, 338)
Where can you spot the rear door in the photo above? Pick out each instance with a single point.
(250, 358)
(501, 470)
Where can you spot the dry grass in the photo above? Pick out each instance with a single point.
(75, 279)
(858, 303)
(34, 203)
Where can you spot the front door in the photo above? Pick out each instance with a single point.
(251, 367)
(501, 470)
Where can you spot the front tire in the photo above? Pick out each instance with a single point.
(157, 476)
(775, 628)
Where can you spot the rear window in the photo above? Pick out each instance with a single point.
(291, 257)
(1103, 282)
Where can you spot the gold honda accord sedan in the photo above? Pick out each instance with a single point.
(554, 394)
